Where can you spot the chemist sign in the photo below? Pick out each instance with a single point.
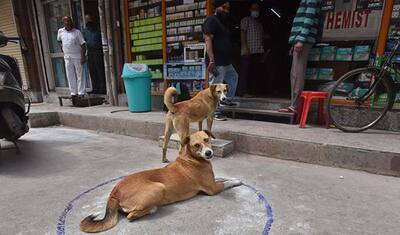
(347, 22)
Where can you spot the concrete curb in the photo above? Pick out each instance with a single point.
(378, 162)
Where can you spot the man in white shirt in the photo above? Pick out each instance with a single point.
(73, 46)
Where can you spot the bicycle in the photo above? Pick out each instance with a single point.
(361, 98)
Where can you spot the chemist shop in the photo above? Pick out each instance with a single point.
(167, 36)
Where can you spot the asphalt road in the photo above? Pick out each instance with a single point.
(42, 191)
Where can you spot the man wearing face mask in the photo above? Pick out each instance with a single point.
(219, 53)
(251, 35)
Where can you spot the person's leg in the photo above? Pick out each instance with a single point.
(101, 74)
(231, 78)
(71, 77)
(217, 79)
(93, 71)
(79, 76)
(243, 83)
(298, 74)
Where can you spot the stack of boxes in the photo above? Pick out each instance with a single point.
(332, 53)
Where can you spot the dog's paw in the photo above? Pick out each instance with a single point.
(165, 161)
(232, 183)
(153, 210)
(235, 182)
(220, 180)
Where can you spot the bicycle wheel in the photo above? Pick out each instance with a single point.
(354, 105)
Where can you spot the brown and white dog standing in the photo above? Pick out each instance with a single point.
(139, 194)
(181, 114)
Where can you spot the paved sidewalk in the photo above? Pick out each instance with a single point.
(313, 144)
(57, 164)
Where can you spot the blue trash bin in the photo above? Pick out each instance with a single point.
(137, 80)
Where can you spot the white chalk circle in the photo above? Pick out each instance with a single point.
(241, 210)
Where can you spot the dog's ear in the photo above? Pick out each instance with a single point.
(186, 141)
(209, 134)
(212, 88)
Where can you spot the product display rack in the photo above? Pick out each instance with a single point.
(146, 38)
(184, 27)
(393, 33)
(158, 32)
(337, 58)
(329, 62)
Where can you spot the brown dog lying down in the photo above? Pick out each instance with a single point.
(139, 194)
(181, 114)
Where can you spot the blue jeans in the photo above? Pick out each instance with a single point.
(227, 74)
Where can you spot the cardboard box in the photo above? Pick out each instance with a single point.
(344, 54)
(325, 74)
(312, 73)
(361, 53)
(315, 54)
(328, 53)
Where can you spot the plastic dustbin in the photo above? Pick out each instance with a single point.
(137, 80)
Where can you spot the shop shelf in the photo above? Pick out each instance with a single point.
(154, 47)
(173, 13)
(197, 8)
(146, 21)
(183, 19)
(145, 6)
(156, 76)
(146, 28)
(143, 42)
(193, 25)
(148, 35)
(150, 62)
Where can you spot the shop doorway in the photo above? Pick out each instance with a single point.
(53, 11)
(91, 8)
(272, 79)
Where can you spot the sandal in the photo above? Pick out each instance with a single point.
(287, 110)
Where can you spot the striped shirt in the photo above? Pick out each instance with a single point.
(306, 23)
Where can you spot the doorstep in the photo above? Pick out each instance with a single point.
(372, 151)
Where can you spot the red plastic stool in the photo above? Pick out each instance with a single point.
(308, 97)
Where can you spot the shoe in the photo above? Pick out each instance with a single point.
(288, 110)
(227, 103)
(220, 117)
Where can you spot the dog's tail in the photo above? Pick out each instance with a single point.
(90, 225)
(169, 93)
